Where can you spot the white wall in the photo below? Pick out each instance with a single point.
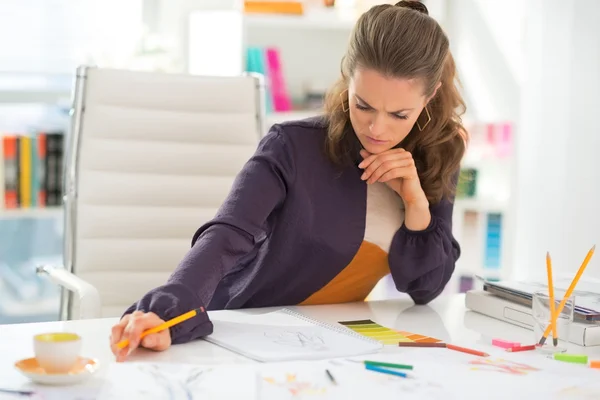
(489, 75)
(557, 190)
(54, 36)
(484, 39)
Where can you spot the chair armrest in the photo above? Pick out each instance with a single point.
(90, 305)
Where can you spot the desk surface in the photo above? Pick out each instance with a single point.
(445, 318)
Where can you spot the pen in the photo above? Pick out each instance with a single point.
(330, 376)
(18, 392)
(387, 365)
(385, 370)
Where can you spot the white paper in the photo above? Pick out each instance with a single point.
(177, 381)
(437, 375)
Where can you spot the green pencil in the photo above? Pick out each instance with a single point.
(388, 365)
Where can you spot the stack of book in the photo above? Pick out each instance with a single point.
(31, 170)
(267, 62)
(511, 301)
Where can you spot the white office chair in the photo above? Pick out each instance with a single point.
(151, 156)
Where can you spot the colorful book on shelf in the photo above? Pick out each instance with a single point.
(493, 241)
(10, 180)
(32, 170)
(274, 7)
(267, 61)
(25, 171)
(280, 97)
(255, 62)
(1, 172)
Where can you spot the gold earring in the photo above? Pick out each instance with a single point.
(342, 101)
(426, 123)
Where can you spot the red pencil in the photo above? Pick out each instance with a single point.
(468, 351)
(521, 348)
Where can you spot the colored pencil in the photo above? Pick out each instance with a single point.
(417, 344)
(521, 348)
(330, 376)
(165, 325)
(385, 371)
(553, 315)
(388, 365)
(569, 291)
(18, 392)
(468, 351)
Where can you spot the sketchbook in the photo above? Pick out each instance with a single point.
(285, 335)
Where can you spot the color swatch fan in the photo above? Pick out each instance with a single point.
(385, 335)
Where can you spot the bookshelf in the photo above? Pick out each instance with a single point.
(49, 212)
(39, 87)
(314, 18)
(278, 117)
(481, 205)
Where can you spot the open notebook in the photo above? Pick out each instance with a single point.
(285, 335)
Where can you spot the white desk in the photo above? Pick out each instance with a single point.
(445, 318)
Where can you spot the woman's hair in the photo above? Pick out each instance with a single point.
(402, 41)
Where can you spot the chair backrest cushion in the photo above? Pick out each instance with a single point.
(157, 156)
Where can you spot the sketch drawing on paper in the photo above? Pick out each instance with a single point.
(501, 365)
(157, 382)
(422, 388)
(579, 393)
(296, 387)
(174, 386)
(297, 339)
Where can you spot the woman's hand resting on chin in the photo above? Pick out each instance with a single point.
(396, 168)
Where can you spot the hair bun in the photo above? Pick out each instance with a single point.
(413, 5)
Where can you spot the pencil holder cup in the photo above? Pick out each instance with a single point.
(556, 340)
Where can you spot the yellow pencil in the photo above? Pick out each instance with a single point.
(165, 325)
(569, 291)
(553, 315)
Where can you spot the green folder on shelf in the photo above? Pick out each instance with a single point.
(255, 62)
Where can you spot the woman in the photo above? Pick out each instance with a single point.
(328, 206)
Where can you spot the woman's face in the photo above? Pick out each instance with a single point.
(383, 110)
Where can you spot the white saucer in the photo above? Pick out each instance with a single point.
(84, 368)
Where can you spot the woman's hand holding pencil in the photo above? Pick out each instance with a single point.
(133, 331)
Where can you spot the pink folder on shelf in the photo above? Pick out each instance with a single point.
(280, 98)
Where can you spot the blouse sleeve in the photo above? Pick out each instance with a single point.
(422, 262)
(233, 234)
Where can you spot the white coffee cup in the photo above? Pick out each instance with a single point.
(57, 352)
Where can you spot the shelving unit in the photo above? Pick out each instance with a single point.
(278, 117)
(481, 205)
(314, 18)
(50, 212)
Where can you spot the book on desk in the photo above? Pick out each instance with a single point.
(510, 301)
